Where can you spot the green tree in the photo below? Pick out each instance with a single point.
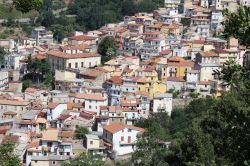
(81, 132)
(86, 160)
(107, 49)
(7, 158)
(237, 24)
(27, 5)
(2, 54)
(26, 84)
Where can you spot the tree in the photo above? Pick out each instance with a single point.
(2, 54)
(27, 5)
(86, 160)
(81, 132)
(7, 158)
(107, 49)
(26, 84)
(237, 24)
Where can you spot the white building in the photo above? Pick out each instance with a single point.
(162, 102)
(120, 139)
(55, 110)
(4, 79)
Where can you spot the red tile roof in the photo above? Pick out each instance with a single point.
(52, 105)
(82, 38)
(198, 42)
(114, 128)
(97, 97)
(166, 52)
(208, 54)
(116, 80)
(176, 79)
(60, 54)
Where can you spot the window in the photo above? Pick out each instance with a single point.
(35, 161)
(89, 106)
(53, 162)
(76, 65)
(91, 142)
(122, 138)
(69, 65)
(82, 64)
(89, 64)
(129, 130)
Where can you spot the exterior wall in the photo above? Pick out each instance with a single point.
(164, 104)
(206, 72)
(40, 163)
(64, 75)
(95, 143)
(175, 85)
(4, 79)
(87, 62)
(52, 114)
(93, 105)
(192, 77)
(13, 108)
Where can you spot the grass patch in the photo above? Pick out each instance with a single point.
(6, 12)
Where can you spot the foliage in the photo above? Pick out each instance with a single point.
(6, 12)
(81, 132)
(2, 54)
(186, 21)
(27, 5)
(26, 83)
(194, 94)
(237, 24)
(39, 71)
(86, 160)
(107, 48)
(207, 132)
(175, 93)
(92, 14)
(7, 158)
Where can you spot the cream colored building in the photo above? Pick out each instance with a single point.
(61, 61)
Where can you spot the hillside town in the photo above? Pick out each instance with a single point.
(163, 60)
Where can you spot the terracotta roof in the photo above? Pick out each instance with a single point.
(63, 117)
(115, 109)
(60, 54)
(86, 115)
(166, 52)
(67, 134)
(76, 47)
(120, 30)
(12, 138)
(175, 59)
(82, 38)
(39, 56)
(92, 73)
(4, 129)
(208, 54)
(52, 105)
(41, 120)
(33, 144)
(151, 33)
(116, 80)
(181, 64)
(176, 79)
(97, 97)
(10, 113)
(114, 128)
(198, 42)
(13, 102)
(50, 134)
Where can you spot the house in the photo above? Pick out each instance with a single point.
(162, 102)
(113, 88)
(62, 61)
(82, 39)
(31, 94)
(54, 110)
(120, 139)
(18, 106)
(176, 83)
(4, 79)
(91, 102)
(94, 145)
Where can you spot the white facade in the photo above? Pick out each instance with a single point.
(4, 79)
(94, 105)
(123, 140)
(54, 113)
(162, 102)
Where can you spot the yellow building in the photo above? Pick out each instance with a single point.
(151, 87)
(177, 66)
